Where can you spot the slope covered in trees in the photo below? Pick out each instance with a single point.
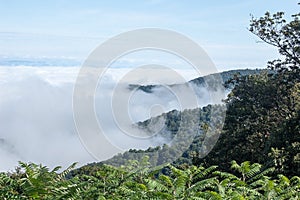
(186, 131)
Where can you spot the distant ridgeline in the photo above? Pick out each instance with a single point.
(200, 81)
(185, 129)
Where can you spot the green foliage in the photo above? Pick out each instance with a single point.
(276, 31)
(31, 181)
(106, 182)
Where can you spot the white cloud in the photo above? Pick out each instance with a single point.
(36, 119)
(36, 116)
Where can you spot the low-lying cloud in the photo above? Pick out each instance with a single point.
(36, 116)
(36, 119)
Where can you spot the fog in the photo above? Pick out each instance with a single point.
(36, 116)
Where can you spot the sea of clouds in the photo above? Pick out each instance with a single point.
(36, 114)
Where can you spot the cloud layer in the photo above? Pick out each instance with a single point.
(36, 116)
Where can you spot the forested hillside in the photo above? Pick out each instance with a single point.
(186, 130)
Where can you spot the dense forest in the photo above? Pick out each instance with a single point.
(257, 155)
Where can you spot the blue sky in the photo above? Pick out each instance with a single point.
(72, 29)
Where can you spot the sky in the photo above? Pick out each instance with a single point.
(70, 30)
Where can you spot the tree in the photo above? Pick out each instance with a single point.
(262, 120)
(276, 31)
